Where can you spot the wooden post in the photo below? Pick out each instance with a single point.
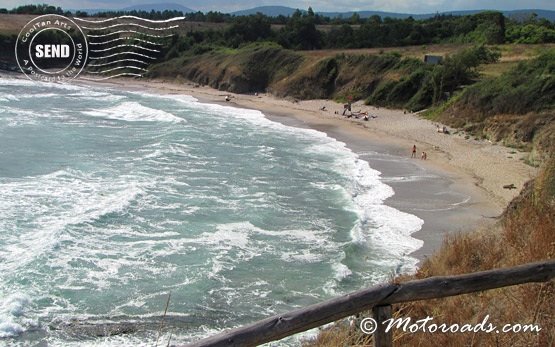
(382, 338)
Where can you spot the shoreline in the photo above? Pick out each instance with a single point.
(454, 195)
(459, 187)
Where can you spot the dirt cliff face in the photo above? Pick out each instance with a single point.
(248, 70)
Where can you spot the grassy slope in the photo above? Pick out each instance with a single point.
(267, 67)
(327, 73)
(526, 233)
(517, 107)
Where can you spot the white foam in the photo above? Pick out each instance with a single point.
(52, 202)
(8, 81)
(131, 111)
(392, 232)
(38, 96)
(301, 257)
(8, 97)
(12, 315)
(232, 245)
(408, 179)
(17, 82)
(367, 193)
(229, 235)
(312, 237)
(341, 271)
(91, 94)
(182, 98)
(254, 117)
(378, 225)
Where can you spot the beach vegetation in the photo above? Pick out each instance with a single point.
(423, 85)
(529, 86)
(515, 108)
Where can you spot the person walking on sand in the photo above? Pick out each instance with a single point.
(424, 156)
(413, 152)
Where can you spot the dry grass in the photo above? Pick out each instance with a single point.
(509, 52)
(511, 55)
(497, 69)
(526, 233)
(341, 334)
(406, 51)
(13, 23)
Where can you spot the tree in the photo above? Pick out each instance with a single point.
(248, 29)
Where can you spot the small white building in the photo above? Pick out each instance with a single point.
(432, 59)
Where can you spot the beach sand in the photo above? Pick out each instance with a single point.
(458, 188)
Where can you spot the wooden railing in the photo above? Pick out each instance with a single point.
(378, 299)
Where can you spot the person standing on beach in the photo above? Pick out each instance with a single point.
(413, 152)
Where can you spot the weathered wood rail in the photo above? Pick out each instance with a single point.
(378, 299)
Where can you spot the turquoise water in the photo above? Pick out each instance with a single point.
(110, 200)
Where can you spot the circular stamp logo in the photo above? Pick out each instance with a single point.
(51, 48)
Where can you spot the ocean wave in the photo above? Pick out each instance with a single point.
(131, 111)
(8, 97)
(408, 179)
(52, 203)
(17, 82)
(38, 96)
(8, 81)
(13, 318)
(99, 96)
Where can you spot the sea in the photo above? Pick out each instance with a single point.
(135, 219)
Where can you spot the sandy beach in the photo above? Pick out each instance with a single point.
(458, 188)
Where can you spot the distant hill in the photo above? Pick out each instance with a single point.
(522, 14)
(272, 11)
(159, 7)
(145, 7)
(275, 11)
(287, 11)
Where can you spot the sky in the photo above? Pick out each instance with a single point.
(403, 6)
